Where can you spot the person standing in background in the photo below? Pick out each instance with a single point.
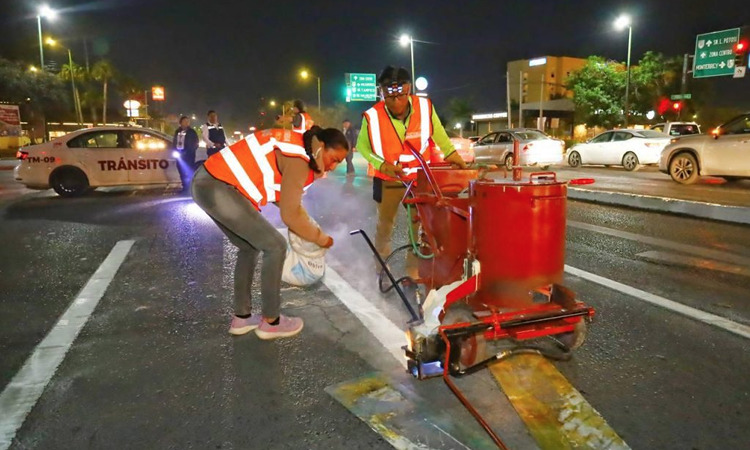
(302, 121)
(351, 137)
(213, 134)
(185, 142)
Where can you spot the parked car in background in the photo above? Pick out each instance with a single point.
(627, 148)
(724, 153)
(677, 128)
(535, 148)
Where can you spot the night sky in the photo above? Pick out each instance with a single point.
(228, 54)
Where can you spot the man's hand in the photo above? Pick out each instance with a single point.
(329, 243)
(391, 170)
(456, 160)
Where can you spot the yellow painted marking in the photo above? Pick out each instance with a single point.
(556, 414)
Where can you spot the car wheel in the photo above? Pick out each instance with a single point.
(684, 168)
(509, 162)
(630, 161)
(69, 182)
(574, 159)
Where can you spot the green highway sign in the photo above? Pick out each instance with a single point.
(681, 96)
(714, 53)
(361, 87)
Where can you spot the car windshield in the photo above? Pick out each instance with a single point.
(651, 134)
(530, 135)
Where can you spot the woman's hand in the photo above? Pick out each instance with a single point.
(329, 243)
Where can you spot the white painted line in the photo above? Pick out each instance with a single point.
(24, 390)
(385, 331)
(711, 319)
(719, 255)
(676, 259)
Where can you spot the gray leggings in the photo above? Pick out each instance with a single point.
(247, 229)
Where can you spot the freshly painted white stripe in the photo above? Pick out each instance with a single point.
(677, 259)
(377, 144)
(385, 331)
(259, 154)
(241, 175)
(719, 255)
(711, 319)
(424, 123)
(24, 390)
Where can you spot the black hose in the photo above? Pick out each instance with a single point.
(385, 290)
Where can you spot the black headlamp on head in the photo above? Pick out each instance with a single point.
(394, 90)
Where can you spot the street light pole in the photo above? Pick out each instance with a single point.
(76, 100)
(41, 46)
(404, 40)
(627, 85)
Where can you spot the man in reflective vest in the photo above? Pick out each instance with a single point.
(213, 134)
(389, 128)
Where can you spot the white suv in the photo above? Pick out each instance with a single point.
(723, 153)
(677, 128)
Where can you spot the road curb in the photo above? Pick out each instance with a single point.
(703, 210)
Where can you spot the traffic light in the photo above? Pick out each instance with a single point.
(740, 53)
(677, 106)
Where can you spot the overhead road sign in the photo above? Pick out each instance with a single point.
(361, 87)
(714, 53)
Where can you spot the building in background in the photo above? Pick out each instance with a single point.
(539, 85)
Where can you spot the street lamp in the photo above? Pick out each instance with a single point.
(304, 74)
(407, 40)
(76, 101)
(621, 23)
(50, 14)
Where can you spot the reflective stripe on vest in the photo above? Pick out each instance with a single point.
(250, 164)
(306, 123)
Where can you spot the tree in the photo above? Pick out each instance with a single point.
(598, 92)
(459, 110)
(77, 74)
(103, 71)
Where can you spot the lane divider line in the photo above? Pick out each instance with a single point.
(719, 255)
(24, 390)
(702, 316)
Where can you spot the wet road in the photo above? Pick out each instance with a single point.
(153, 367)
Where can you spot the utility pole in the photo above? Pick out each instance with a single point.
(520, 99)
(683, 84)
(541, 109)
(507, 96)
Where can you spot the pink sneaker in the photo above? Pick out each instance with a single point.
(239, 326)
(288, 326)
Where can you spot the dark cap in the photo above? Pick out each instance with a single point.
(394, 76)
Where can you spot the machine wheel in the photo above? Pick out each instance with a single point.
(684, 168)
(574, 339)
(473, 348)
(509, 163)
(574, 159)
(630, 161)
(69, 182)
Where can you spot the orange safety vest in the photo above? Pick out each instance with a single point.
(250, 164)
(307, 123)
(386, 143)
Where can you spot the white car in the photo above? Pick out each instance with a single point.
(627, 148)
(100, 156)
(723, 153)
(535, 148)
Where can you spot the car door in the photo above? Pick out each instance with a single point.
(99, 155)
(503, 146)
(729, 152)
(622, 142)
(597, 147)
(149, 158)
(483, 148)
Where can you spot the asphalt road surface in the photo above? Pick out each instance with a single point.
(154, 366)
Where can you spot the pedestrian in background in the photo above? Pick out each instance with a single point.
(301, 121)
(185, 141)
(213, 134)
(351, 137)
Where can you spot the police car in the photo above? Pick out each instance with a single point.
(101, 156)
